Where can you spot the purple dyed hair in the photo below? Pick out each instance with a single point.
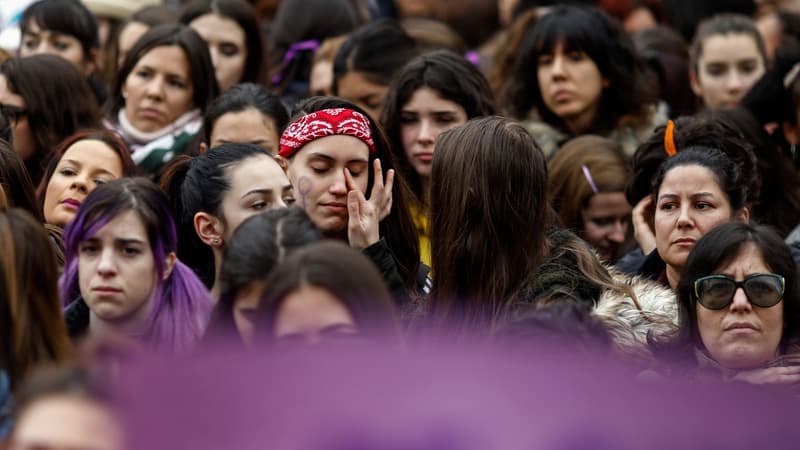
(181, 303)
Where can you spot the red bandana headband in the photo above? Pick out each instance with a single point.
(327, 122)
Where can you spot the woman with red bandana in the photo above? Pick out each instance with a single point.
(337, 159)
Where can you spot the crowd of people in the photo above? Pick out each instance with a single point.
(615, 177)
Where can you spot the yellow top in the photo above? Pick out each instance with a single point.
(421, 223)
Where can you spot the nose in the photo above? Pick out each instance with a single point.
(214, 51)
(685, 218)
(735, 81)
(155, 88)
(41, 48)
(617, 233)
(338, 185)
(426, 134)
(557, 67)
(740, 302)
(106, 265)
(80, 183)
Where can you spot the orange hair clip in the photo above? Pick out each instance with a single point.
(669, 139)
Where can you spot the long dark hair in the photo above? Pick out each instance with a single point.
(344, 272)
(203, 79)
(244, 15)
(453, 78)
(489, 213)
(590, 30)
(56, 106)
(397, 227)
(257, 246)
(719, 247)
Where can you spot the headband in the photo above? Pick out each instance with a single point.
(589, 179)
(327, 122)
(669, 139)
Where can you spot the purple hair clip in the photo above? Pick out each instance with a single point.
(473, 57)
(589, 178)
(303, 46)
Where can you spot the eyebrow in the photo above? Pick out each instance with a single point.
(693, 196)
(120, 241)
(328, 158)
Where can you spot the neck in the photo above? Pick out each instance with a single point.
(581, 123)
(673, 276)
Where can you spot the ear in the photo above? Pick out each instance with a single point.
(606, 83)
(203, 148)
(743, 215)
(169, 264)
(209, 229)
(695, 83)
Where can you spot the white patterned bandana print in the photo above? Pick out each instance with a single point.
(327, 122)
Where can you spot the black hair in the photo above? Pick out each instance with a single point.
(397, 227)
(605, 42)
(257, 246)
(199, 183)
(378, 50)
(69, 17)
(204, 82)
(453, 78)
(719, 247)
(241, 97)
(693, 131)
(244, 15)
(726, 172)
(56, 106)
(16, 183)
(305, 20)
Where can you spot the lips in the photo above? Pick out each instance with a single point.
(71, 203)
(743, 326)
(684, 241)
(424, 156)
(106, 289)
(150, 113)
(562, 95)
(335, 207)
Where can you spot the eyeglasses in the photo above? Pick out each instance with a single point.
(762, 289)
(13, 113)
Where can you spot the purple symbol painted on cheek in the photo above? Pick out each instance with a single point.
(304, 188)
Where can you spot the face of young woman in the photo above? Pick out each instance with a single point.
(605, 223)
(728, 67)
(159, 89)
(258, 184)
(742, 335)
(227, 45)
(357, 88)
(24, 144)
(317, 174)
(66, 421)
(38, 42)
(690, 203)
(85, 165)
(422, 119)
(312, 315)
(127, 39)
(246, 127)
(117, 271)
(571, 85)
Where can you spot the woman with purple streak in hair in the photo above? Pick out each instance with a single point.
(122, 275)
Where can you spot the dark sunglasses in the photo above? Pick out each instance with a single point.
(13, 113)
(762, 289)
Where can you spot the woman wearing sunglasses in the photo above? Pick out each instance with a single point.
(741, 306)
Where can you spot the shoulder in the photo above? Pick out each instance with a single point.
(650, 313)
(547, 137)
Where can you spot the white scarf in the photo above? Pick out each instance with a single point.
(138, 138)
